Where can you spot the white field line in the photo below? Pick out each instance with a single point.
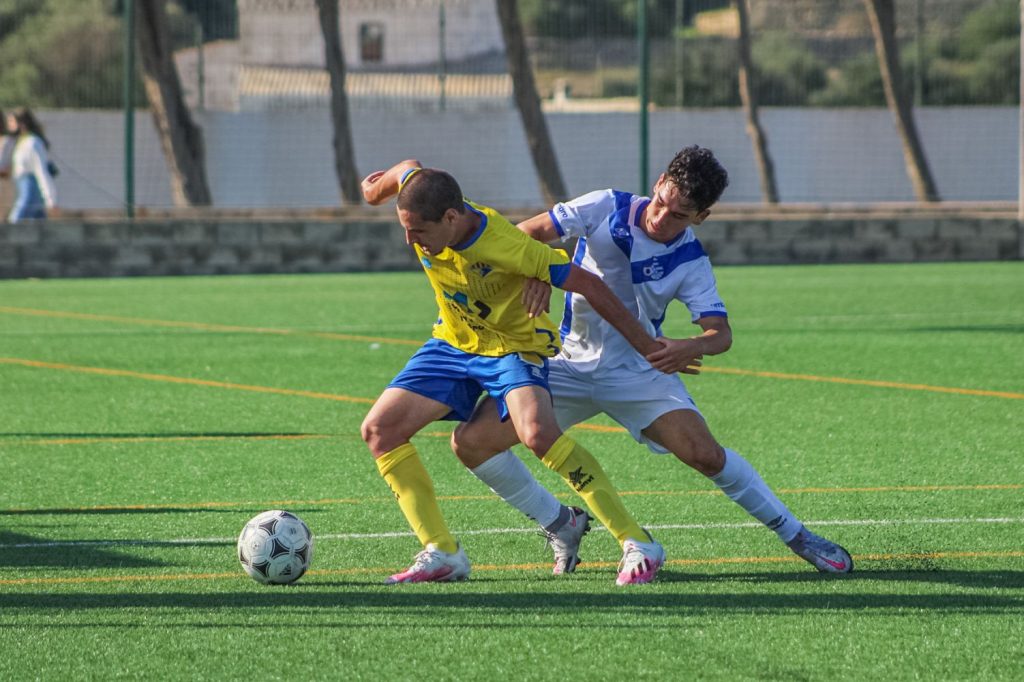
(502, 531)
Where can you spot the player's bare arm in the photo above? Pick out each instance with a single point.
(381, 185)
(541, 228)
(684, 355)
(608, 306)
(537, 294)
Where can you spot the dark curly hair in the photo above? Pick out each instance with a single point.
(429, 193)
(698, 175)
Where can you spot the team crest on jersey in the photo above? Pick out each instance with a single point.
(654, 270)
(481, 269)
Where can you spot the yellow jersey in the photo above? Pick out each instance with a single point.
(478, 286)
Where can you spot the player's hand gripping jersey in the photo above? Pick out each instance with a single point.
(645, 274)
(478, 286)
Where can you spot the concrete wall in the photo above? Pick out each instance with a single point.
(287, 32)
(283, 159)
(179, 247)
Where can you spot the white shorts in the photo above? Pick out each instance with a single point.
(633, 399)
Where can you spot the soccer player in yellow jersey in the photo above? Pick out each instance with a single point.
(486, 339)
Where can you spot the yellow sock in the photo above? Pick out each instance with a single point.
(409, 481)
(584, 475)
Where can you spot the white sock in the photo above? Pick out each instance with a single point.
(745, 487)
(510, 480)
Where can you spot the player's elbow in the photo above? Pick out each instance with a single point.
(582, 282)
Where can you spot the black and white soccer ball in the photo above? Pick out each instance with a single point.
(275, 547)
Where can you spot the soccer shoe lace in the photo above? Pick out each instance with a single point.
(565, 542)
(640, 561)
(826, 556)
(433, 565)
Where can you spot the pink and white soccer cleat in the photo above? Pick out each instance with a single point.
(640, 561)
(434, 566)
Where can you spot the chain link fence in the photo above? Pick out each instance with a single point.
(428, 78)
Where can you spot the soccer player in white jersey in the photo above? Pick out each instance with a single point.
(645, 251)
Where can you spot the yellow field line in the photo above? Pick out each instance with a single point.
(184, 380)
(93, 440)
(167, 439)
(863, 382)
(202, 326)
(720, 561)
(469, 498)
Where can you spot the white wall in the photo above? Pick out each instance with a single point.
(284, 159)
(287, 32)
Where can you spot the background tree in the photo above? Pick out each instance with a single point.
(525, 91)
(344, 154)
(180, 138)
(765, 168)
(599, 18)
(882, 14)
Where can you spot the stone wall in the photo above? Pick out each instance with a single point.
(107, 248)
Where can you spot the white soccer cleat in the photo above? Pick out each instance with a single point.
(565, 542)
(640, 561)
(434, 566)
(824, 555)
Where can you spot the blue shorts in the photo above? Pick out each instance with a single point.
(441, 372)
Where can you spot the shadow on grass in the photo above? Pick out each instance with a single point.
(76, 511)
(976, 579)
(982, 328)
(435, 601)
(75, 556)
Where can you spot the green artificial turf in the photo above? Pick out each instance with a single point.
(144, 421)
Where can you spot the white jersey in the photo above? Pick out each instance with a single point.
(645, 274)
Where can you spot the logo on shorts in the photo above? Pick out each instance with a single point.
(579, 479)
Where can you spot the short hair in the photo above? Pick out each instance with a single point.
(429, 193)
(698, 175)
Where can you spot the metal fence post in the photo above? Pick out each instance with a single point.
(129, 107)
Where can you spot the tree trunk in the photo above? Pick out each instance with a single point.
(180, 137)
(765, 168)
(344, 153)
(525, 91)
(882, 14)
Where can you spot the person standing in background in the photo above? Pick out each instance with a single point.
(6, 150)
(30, 168)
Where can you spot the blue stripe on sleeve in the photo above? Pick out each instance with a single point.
(558, 225)
(559, 273)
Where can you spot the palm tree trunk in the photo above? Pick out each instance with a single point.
(525, 91)
(344, 153)
(882, 14)
(765, 168)
(180, 137)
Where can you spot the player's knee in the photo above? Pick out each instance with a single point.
(538, 440)
(708, 459)
(465, 444)
(374, 435)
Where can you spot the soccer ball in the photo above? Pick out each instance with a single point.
(275, 547)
